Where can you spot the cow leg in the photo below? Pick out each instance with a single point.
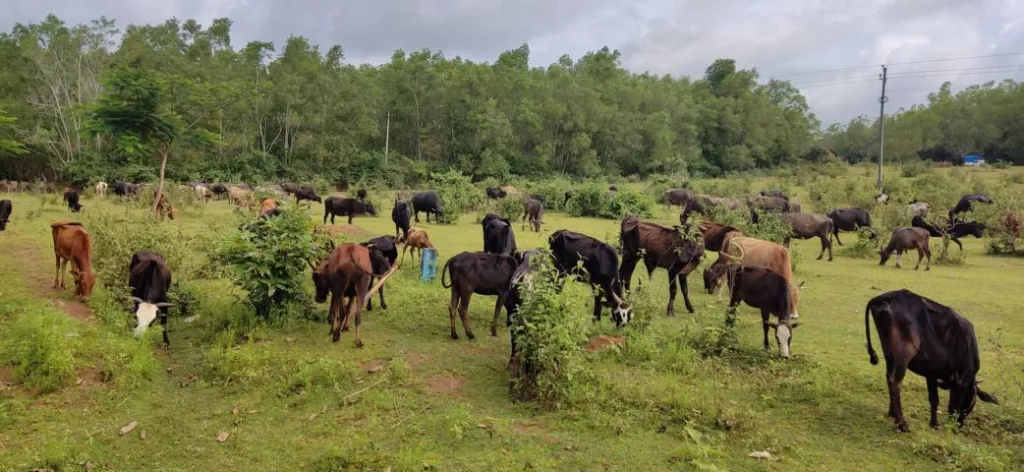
(681, 280)
(361, 290)
(899, 254)
(452, 306)
(671, 310)
(463, 309)
(369, 300)
(350, 218)
(597, 308)
(335, 315)
(56, 272)
(835, 233)
(825, 245)
(894, 379)
(416, 216)
(765, 326)
(933, 400)
(348, 313)
(928, 253)
(957, 241)
(497, 311)
(626, 272)
(383, 304)
(163, 325)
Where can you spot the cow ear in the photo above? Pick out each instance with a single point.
(987, 397)
(794, 325)
(773, 324)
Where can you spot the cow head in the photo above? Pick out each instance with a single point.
(370, 209)
(622, 312)
(84, 282)
(978, 230)
(784, 335)
(963, 398)
(320, 281)
(146, 313)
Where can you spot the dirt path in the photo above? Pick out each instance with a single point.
(37, 268)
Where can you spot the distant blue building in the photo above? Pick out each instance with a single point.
(974, 160)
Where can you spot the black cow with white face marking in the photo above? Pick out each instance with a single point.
(600, 268)
(149, 279)
(931, 340)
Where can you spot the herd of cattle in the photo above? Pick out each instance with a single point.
(916, 333)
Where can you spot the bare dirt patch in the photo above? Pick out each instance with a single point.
(6, 375)
(415, 359)
(446, 383)
(603, 341)
(89, 376)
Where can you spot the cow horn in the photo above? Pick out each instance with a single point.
(138, 300)
(164, 305)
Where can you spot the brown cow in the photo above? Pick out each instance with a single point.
(418, 240)
(716, 235)
(268, 207)
(757, 253)
(165, 209)
(810, 225)
(659, 246)
(905, 239)
(240, 196)
(72, 243)
(349, 265)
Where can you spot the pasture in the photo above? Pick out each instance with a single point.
(414, 399)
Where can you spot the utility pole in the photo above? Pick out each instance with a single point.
(881, 125)
(387, 138)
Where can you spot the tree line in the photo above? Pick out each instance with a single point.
(984, 118)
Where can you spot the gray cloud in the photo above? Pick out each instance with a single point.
(782, 38)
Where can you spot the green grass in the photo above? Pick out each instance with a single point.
(657, 403)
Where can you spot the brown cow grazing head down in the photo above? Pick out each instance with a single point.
(268, 208)
(762, 289)
(72, 243)
(348, 266)
(931, 340)
(904, 239)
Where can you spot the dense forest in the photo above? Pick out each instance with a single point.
(260, 112)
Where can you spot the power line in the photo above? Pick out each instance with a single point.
(993, 68)
(948, 76)
(950, 59)
(871, 66)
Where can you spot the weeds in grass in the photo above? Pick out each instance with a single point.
(864, 247)
(39, 346)
(130, 361)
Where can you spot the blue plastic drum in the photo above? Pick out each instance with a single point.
(428, 265)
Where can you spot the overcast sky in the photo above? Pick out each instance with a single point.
(779, 37)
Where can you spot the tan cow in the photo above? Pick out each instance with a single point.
(101, 189)
(72, 243)
(417, 241)
(757, 253)
(240, 197)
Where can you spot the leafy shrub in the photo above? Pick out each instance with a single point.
(587, 201)
(130, 362)
(627, 201)
(512, 207)
(39, 350)
(270, 257)
(457, 193)
(548, 361)
(864, 247)
(914, 168)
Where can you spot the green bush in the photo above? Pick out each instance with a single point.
(270, 258)
(512, 207)
(587, 201)
(129, 362)
(914, 168)
(864, 247)
(457, 193)
(548, 364)
(551, 191)
(627, 201)
(38, 346)
(115, 240)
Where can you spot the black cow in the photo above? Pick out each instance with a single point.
(663, 247)
(600, 268)
(429, 203)
(290, 188)
(965, 203)
(933, 341)
(480, 273)
(361, 195)
(400, 214)
(340, 206)
(849, 219)
(774, 193)
(533, 212)
(568, 194)
(149, 279)
(762, 289)
(221, 189)
(955, 232)
(125, 189)
(495, 193)
(498, 235)
(5, 213)
(383, 254)
(71, 198)
(307, 193)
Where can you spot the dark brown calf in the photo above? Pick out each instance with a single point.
(761, 289)
(349, 265)
(905, 239)
(480, 273)
(663, 247)
(810, 225)
(931, 340)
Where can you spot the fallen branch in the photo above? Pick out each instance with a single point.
(407, 418)
(357, 392)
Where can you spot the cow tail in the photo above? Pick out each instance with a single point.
(444, 272)
(872, 356)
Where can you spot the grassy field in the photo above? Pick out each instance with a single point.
(413, 399)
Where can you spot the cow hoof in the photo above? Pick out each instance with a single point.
(335, 338)
(359, 343)
(470, 336)
(383, 307)
(927, 269)
(455, 336)
(903, 428)
(494, 333)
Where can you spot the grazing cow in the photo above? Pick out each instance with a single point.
(762, 289)
(955, 232)
(755, 253)
(613, 188)
(307, 193)
(916, 208)
(383, 255)
(663, 247)
(417, 241)
(534, 213)
(568, 194)
(71, 198)
(481, 273)
(774, 193)
(427, 202)
(495, 193)
(599, 263)
(498, 235)
(767, 204)
(340, 206)
(290, 188)
(5, 213)
(849, 219)
(165, 209)
(703, 204)
(810, 225)
(965, 204)
(72, 243)
(794, 207)
(268, 208)
(905, 239)
(101, 189)
(677, 196)
(11, 186)
(400, 214)
(349, 265)
(202, 193)
(931, 340)
(716, 235)
(361, 194)
(882, 198)
(220, 189)
(240, 197)
(125, 189)
(149, 279)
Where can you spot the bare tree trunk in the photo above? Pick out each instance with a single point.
(164, 151)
